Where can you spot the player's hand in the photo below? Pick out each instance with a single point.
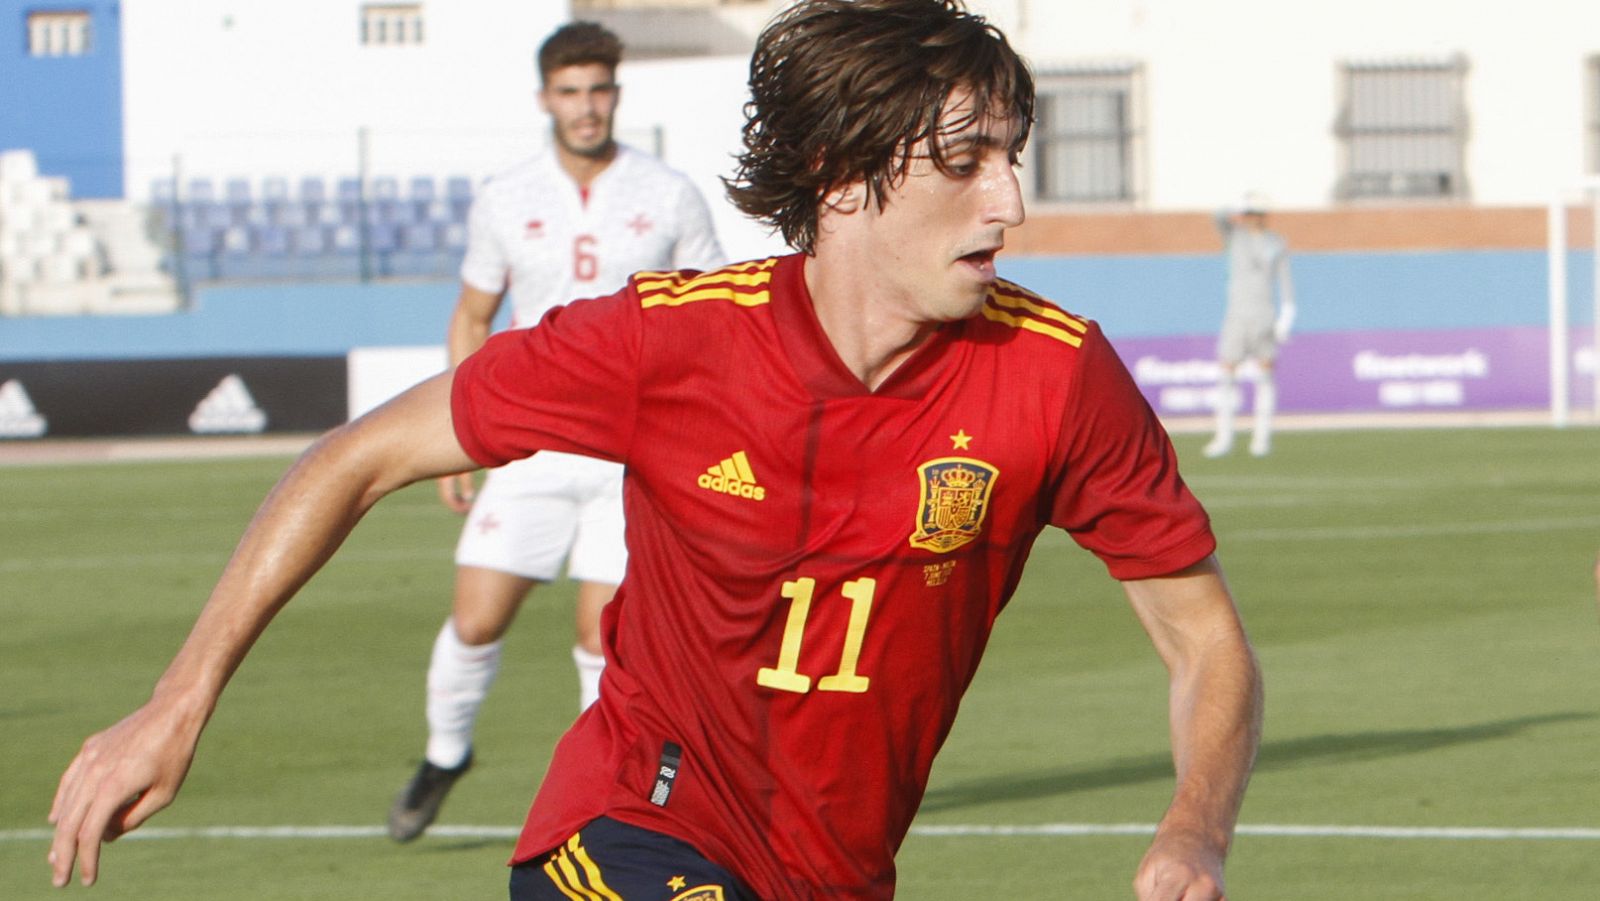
(458, 491)
(119, 779)
(1180, 867)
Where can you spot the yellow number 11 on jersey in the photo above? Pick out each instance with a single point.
(785, 676)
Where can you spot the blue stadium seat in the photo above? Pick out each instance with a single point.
(275, 188)
(272, 253)
(237, 191)
(348, 195)
(422, 189)
(439, 213)
(197, 240)
(383, 237)
(458, 191)
(201, 190)
(309, 241)
(344, 239)
(420, 237)
(272, 241)
(312, 190)
(387, 211)
(384, 187)
(288, 215)
(274, 198)
(324, 213)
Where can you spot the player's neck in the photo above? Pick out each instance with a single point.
(583, 169)
(869, 338)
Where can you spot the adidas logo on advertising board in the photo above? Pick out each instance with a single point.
(18, 417)
(733, 476)
(229, 408)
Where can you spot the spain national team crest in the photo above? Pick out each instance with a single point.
(955, 498)
(701, 893)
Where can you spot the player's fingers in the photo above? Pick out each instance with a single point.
(66, 814)
(133, 815)
(97, 827)
(69, 817)
(64, 789)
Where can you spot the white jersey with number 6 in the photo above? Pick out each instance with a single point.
(534, 234)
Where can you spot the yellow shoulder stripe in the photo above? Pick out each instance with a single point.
(744, 285)
(1015, 297)
(1032, 325)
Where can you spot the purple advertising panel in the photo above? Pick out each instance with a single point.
(1478, 369)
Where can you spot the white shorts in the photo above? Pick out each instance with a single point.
(1246, 339)
(531, 514)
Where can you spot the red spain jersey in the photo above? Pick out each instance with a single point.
(814, 567)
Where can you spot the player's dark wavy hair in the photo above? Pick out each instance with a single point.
(577, 44)
(842, 89)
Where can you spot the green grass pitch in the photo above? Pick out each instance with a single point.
(1422, 601)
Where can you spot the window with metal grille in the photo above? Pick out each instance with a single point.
(1086, 134)
(1403, 130)
(58, 33)
(391, 24)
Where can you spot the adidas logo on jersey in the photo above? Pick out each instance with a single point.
(733, 476)
(229, 408)
(18, 417)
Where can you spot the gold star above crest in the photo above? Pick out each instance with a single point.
(676, 883)
(961, 439)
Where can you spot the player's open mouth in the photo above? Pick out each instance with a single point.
(982, 260)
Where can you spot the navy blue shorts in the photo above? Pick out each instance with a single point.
(612, 861)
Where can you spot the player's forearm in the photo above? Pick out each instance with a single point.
(471, 322)
(305, 517)
(1216, 712)
(466, 336)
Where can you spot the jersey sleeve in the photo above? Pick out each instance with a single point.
(697, 246)
(485, 264)
(569, 383)
(1119, 493)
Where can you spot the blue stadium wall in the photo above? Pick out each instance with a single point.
(1131, 296)
(292, 344)
(66, 109)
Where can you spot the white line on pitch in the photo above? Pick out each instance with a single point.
(1447, 833)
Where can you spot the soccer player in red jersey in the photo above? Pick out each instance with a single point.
(837, 463)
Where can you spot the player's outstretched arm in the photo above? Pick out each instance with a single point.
(128, 772)
(1216, 703)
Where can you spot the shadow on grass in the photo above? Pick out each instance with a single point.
(1294, 753)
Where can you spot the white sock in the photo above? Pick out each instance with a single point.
(1266, 406)
(589, 669)
(459, 677)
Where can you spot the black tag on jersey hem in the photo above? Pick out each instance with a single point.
(666, 773)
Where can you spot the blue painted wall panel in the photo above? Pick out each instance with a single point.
(1151, 296)
(66, 109)
(255, 320)
(1132, 297)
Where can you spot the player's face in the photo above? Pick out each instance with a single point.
(938, 231)
(581, 101)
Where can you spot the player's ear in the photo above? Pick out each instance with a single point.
(846, 198)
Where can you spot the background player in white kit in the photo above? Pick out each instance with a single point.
(1253, 325)
(573, 222)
